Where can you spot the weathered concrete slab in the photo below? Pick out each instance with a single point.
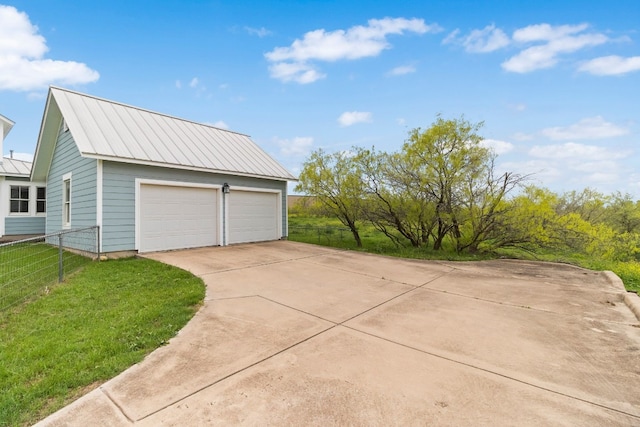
(294, 334)
(344, 377)
(316, 289)
(567, 354)
(224, 338)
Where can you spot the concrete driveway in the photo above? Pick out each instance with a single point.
(295, 334)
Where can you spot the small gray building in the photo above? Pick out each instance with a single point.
(154, 182)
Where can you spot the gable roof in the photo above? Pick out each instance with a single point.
(15, 168)
(108, 130)
(5, 125)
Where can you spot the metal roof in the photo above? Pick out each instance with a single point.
(108, 130)
(15, 168)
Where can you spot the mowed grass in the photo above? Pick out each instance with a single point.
(331, 232)
(86, 330)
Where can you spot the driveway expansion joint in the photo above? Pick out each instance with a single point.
(496, 373)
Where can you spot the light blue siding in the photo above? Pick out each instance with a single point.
(118, 220)
(24, 225)
(67, 158)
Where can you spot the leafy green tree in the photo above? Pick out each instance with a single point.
(395, 205)
(531, 221)
(484, 198)
(623, 213)
(588, 203)
(335, 180)
(457, 173)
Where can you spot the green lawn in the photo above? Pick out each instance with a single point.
(86, 330)
(26, 269)
(331, 232)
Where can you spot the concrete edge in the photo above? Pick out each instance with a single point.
(633, 302)
(614, 280)
(631, 299)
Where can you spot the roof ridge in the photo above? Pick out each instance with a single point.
(122, 104)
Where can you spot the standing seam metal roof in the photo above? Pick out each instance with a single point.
(114, 131)
(15, 167)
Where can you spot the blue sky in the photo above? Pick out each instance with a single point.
(557, 83)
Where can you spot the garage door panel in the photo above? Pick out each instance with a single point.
(253, 216)
(177, 217)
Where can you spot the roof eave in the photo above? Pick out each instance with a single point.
(185, 167)
(46, 140)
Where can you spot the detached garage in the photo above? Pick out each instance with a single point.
(153, 182)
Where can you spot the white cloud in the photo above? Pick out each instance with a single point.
(498, 147)
(588, 128)
(611, 65)
(575, 152)
(295, 71)
(178, 84)
(22, 63)
(299, 146)
(219, 124)
(194, 82)
(260, 32)
(538, 169)
(349, 118)
(486, 40)
(555, 40)
(521, 136)
(292, 63)
(402, 70)
(401, 122)
(518, 107)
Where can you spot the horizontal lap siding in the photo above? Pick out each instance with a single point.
(67, 158)
(118, 201)
(24, 225)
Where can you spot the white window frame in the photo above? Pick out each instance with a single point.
(66, 200)
(20, 199)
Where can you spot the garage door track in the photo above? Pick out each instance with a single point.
(295, 334)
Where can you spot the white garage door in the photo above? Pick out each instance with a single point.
(253, 216)
(177, 217)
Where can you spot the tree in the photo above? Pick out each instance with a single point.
(484, 200)
(623, 214)
(588, 203)
(394, 205)
(444, 158)
(335, 180)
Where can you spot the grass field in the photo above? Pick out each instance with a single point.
(26, 269)
(86, 330)
(330, 232)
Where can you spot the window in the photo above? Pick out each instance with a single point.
(66, 202)
(41, 199)
(19, 199)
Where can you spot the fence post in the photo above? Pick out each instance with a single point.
(60, 263)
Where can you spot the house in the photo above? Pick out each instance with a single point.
(154, 182)
(22, 202)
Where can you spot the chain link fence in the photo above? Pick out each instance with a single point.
(28, 267)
